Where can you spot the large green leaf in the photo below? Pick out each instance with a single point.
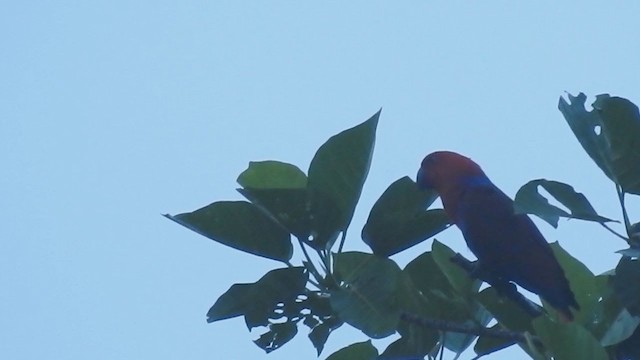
(626, 284)
(586, 287)
(287, 206)
(367, 296)
(609, 134)
(445, 303)
(568, 341)
(622, 328)
(459, 342)
(585, 126)
(416, 340)
(280, 189)
(338, 171)
(621, 127)
(277, 289)
(528, 200)
(457, 277)
(398, 219)
(488, 344)
(610, 321)
(358, 351)
(415, 343)
(272, 175)
(508, 314)
(242, 226)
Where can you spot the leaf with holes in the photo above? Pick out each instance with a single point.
(398, 219)
(621, 126)
(240, 225)
(609, 134)
(587, 126)
(278, 335)
(258, 302)
(528, 200)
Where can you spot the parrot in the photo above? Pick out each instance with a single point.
(508, 246)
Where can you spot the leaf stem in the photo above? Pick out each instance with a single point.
(625, 216)
(614, 232)
(312, 268)
(342, 240)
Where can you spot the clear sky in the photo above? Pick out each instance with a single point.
(114, 112)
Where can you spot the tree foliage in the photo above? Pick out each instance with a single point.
(432, 303)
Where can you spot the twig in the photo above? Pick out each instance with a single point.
(448, 326)
(503, 287)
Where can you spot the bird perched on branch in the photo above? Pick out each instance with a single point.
(509, 246)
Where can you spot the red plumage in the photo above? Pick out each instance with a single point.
(508, 245)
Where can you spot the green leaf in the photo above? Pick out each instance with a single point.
(586, 287)
(506, 312)
(240, 225)
(610, 321)
(630, 252)
(416, 340)
(623, 326)
(337, 172)
(367, 296)
(458, 342)
(358, 351)
(319, 335)
(528, 200)
(626, 284)
(488, 344)
(272, 175)
(322, 321)
(258, 301)
(287, 206)
(585, 126)
(629, 348)
(609, 134)
(415, 343)
(457, 277)
(568, 341)
(278, 335)
(621, 127)
(398, 219)
(443, 301)
(427, 276)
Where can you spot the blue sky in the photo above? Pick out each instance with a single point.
(113, 112)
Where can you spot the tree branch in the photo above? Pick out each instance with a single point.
(503, 287)
(448, 326)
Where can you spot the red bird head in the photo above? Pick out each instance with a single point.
(444, 170)
(449, 173)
